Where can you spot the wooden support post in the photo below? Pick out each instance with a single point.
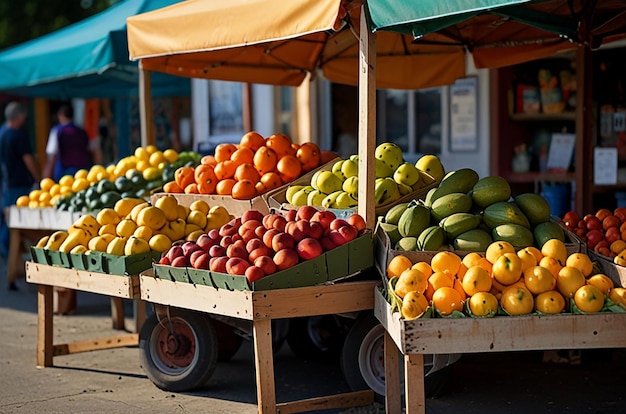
(414, 393)
(42, 129)
(367, 122)
(117, 313)
(584, 130)
(145, 108)
(44, 326)
(393, 402)
(139, 310)
(264, 364)
(14, 259)
(303, 111)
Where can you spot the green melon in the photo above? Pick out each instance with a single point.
(476, 240)
(489, 190)
(504, 212)
(518, 236)
(450, 204)
(459, 181)
(534, 206)
(413, 220)
(546, 231)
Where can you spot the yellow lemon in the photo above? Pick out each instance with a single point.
(126, 228)
(34, 195)
(156, 158)
(55, 190)
(151, 173)
(46, 184)
(44, 198)
(142, 154)
(170, 155)
(159, 243)
(22, 201)
(80, 184)
(142, 165)
(67, 180)
(82, 173)
(151, 149)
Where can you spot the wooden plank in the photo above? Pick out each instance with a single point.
(44, 326)
(96, 344)
(264, 365)
(346, 400)
(102, 283)
(207, 299)
(391, 322)
(146, 120)
(139, 310)
(393, 403)
(414, 392)
(117, 313)
(314, 300)
(367, 121)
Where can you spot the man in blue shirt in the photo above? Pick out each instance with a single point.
(18, 167)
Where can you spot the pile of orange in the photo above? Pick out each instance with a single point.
(517, 282)
(252, 167)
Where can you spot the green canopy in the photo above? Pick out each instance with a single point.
(88, 59)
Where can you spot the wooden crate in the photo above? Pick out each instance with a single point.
(466, 335)
(616, 272)
(47, 277)
(234, 207)
(260, 308)
(44, 218)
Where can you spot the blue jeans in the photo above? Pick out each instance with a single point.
(9, 197)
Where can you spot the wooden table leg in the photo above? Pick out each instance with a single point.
(44, 326)
(264, 364)
(117, 312)
(393, 402)
(14, 259)
(139, 310)
(414, 392)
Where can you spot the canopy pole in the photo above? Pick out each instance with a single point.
(367, 122)
(145, 108)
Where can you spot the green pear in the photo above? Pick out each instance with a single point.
(385, 191)
(329, 200)
(300, 196)
(315, 198)
(407, 173)
(404, 189)
(349, 168)
(344, 201)
(327, 182)
(291, 191)
(336, 169)
(351, 186)
(390, 154)
(432, 165)
(354, 157)
(314, 179)
(382, 169)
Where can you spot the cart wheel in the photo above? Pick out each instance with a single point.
(179, 352)
(317, 337)
(229, 341)
(362, 360)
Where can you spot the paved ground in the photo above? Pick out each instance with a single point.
(112, 381)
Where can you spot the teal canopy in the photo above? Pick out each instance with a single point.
(88, 59)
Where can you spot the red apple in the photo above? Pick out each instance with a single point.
(217, 251)
(226, 241)
(309, 248)
(262, 250)
(164, 261)
(327, 243)
(316, 230)
(305, 212)
(235, 250)
(357, 221)
(194, 256)
(324, 218)
(251, 215)
(349, 232)
(190, 247)
(180, 261)
(268, 220)
(215, 235)
(253, 244)
(285, 259)
(298, 229)
(336, 223)
(254, 273)
(593, 223)
(337, 237)
(268, 236)
(205, 242)
(290, 215)
(201, 261)
(283, 241)
(266, 264)
(593, 238)
(260, 231)
(612, 234)
(237, 266)
(174, 252)
(218, 264)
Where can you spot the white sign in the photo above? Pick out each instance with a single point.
(561, 150)
(605, 166)
(463, 116)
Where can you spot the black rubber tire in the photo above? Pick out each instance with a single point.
(317, 337)
(364, 342)
(228, 342)
(195, 359)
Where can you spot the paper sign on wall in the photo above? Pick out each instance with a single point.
(561, 150)
(605, 166)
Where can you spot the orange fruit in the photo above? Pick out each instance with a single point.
(551, 264)
(517, 300)
(483, 304)
(535, 251)
(271, 180)
(244, 190)
(550, 302)
(581, 262)
(528, 259)
(397, 265)
(476, 280)
(440, 279)
(497, 249)
(447, 262)
(172, 187)
(447, 300)
(472, 259)
(309, 156)
(225, 186)
(208, 160)
(602, 282)
(589, 298)
(192, 188)
(459, 288)
(411, 280)
(243, 156)
(289, 168)
(555, 248)
(260, 187)
(538, 279)
(485, 264)
(414, 304)
(569, 281)
(424, 268)
(265, 160)
(252, 140)
(225, 169)
(507, 269)
(224, 151)
(281, 144)
(618, 296)
(247, 172)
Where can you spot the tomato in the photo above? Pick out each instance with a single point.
(593, 238)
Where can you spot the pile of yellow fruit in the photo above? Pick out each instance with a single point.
(500, 281)
(150, 161)
(135, 226)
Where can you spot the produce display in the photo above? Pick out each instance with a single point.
(468, 213)
(256, 245)
(501, 281)
(338, 186)
(135, 226)
(134, 176)
(253, 167)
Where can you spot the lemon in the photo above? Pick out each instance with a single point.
(65, 189)
(80, 184)
(102, 175)
(143, 232)
(170, 155)
(33, 204)
(159, 243)
(67, 180)
(126, 228)
(142, 165)
(34, 195)
(22, 201)
(55, 199)
(156, 158)
(46, 184)
(151, 173)
(107, 216)
(141, 154)
(151, 149)
(55, 190)
(45, 197)
(82, 173)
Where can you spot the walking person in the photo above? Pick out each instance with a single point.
(19, 169)
(68, 147)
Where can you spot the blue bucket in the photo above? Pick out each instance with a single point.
(559, 198)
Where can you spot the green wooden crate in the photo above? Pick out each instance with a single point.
(199, 276)
(39, 255)
(78, 261)
(60, 259)
(129, 265)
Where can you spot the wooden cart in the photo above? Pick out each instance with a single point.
(464, 335)
(261, 307)
(118, 287)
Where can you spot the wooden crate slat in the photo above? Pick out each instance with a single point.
(346, 400)
(95, 344)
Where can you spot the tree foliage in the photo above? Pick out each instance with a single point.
(28, 19)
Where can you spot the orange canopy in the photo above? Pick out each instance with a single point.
(234, 41)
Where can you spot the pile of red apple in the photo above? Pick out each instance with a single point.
(255, 245)
(600, 230)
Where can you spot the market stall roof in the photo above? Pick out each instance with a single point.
(86, 59)
(240, 40)
(503, 32)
